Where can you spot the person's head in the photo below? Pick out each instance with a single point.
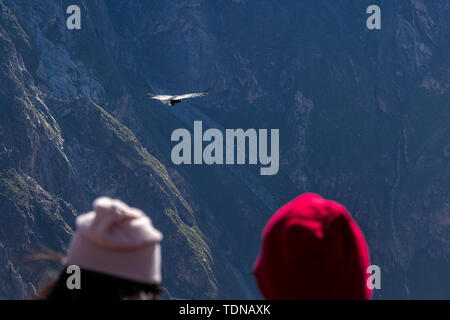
(119, 254)
(313, 250)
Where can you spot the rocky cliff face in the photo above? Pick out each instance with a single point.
(56, 146)
(363, 118)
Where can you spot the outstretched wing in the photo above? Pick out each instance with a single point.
(160, 97)
(190, 95)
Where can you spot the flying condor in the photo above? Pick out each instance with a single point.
(173, 100)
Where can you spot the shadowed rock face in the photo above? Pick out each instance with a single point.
(363, 118)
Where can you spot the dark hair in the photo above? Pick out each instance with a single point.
(97, 286)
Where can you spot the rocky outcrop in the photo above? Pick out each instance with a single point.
(55, 147)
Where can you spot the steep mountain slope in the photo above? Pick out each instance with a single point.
(363, 114)
(76, 151)
(363, 118)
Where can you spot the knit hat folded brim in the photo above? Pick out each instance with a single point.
(117, 240)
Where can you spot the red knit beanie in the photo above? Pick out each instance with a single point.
(313, 249)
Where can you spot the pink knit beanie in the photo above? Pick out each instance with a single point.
(118, 240)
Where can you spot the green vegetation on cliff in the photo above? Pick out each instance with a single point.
(15, 189)
(199, 257)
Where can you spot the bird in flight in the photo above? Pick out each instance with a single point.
(173, 100)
